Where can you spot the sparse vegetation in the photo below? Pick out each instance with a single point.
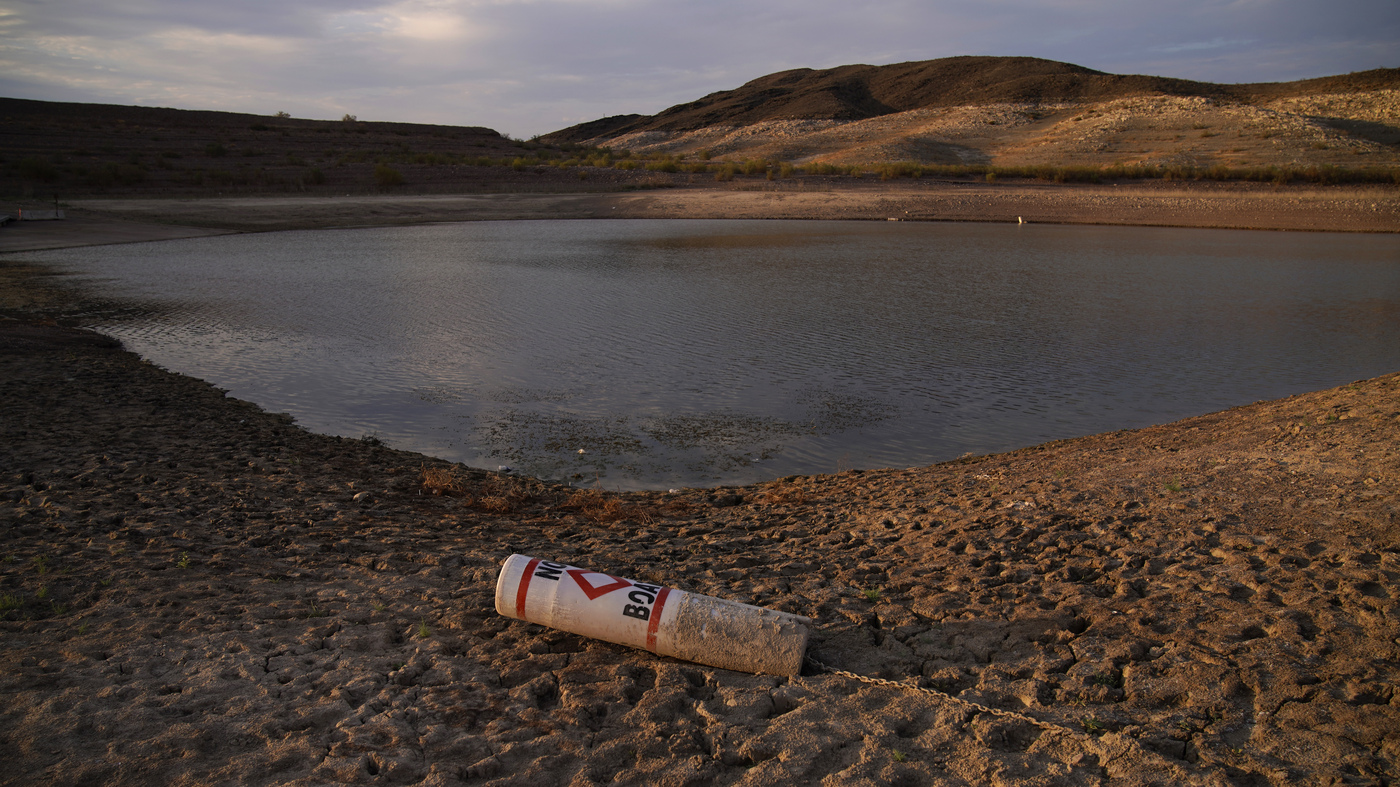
(386, 177)
(602, 508)
(785, 493)
(442, 481)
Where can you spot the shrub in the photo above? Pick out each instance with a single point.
(113, 174)
(901, 169)
(215, 150)
(386, 176)
(35, 168)
(754, 166)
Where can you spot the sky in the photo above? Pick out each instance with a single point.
(528, 67)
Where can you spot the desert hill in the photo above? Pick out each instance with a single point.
(1019, 110)
(987, 116)
(50, 148)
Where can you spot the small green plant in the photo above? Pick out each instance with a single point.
(1173, 485)
(9, 602)
(316, 612)
(378, 606)
(423, 630)
(82, 628)
(41, 565)
(183, 561)
(1092, 725)
(1107, 679)
(386, 177)
(872, 595)
(59, 609)
(43, 591)
(898, 755)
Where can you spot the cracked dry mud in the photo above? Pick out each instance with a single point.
(198, 592)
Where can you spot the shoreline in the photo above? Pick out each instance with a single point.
(194, 591)
(1164, 204)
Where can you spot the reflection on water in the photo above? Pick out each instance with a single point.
(665, 353)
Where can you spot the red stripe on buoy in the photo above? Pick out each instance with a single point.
(524, 588)
(656, 618)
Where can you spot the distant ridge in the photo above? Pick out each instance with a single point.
(857, 92)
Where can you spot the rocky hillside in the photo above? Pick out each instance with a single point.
(1022, 111)
(62, 150)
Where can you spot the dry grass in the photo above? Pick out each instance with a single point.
(443, 482)
(503, 495)
(496, 495)
(784, 493)
(601, 508)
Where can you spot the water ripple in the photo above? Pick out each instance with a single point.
(687, 352)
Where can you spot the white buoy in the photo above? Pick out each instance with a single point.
(663, 620)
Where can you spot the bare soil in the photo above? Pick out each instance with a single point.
(193, 591)
(1186, 204)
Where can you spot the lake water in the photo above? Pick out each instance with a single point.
(653, 354)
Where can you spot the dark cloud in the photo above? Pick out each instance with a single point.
(531, 66)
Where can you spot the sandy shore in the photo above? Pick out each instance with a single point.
(193, 591)
(1205, 205)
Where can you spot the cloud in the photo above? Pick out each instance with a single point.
(1196, 46)
(532, 66)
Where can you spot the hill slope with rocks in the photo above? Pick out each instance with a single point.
(1022, 111)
